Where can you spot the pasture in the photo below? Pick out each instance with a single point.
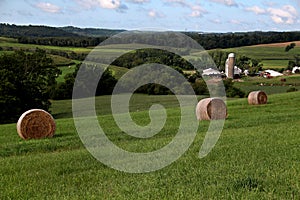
(271, 55)
(256, 157)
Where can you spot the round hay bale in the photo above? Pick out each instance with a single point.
(211, 109)
(257, 98)
(35, 124)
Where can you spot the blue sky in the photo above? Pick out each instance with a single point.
(179, 15)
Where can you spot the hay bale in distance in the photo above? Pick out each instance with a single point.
(257, 98)
(211, 109)
(35, 124)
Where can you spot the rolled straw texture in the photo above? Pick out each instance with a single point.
(257, 98)
(211, 109)
(35, 124)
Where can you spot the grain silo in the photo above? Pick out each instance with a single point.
(230, 63)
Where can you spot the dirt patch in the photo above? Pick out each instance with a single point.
(282, 44)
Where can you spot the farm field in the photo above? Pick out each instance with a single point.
(256, 157)
(271, 55)
(270, 86)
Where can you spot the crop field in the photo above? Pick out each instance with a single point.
(256, 157)
(270, 86)
(272, 56)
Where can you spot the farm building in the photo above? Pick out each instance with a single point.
(211, 72)
(296, 69)
(271, 73)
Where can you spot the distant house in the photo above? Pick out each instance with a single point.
(296, 69)
(211, 72)
(237, 72)
(271, 73)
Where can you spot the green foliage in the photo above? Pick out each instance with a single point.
(32, 31)
(231, 40)
(219, 57)
(144, 56)
(292, 89)
(26, 82)
(295, 62)
(84, 83)
(231, 90)
(290, 46)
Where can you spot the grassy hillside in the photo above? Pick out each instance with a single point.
(271, 55)
(256, 157)
(270, 86)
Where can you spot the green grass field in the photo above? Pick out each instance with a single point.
(270, 86)
(271, 56)
(256, 157)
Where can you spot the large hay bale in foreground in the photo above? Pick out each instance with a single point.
(257, 98)
(211, 109)
(35, 124)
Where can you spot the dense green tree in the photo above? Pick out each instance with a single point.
(290, 46)
(293, 63)
(26, 82)
(88, 73)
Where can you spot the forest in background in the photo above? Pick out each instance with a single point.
(83, 37)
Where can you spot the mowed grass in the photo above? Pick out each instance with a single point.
(271, 86)
(256, 157)
(272, 56)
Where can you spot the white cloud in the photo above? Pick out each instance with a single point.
(197, 11)
(257, 10)
(155, 14)
(225, 2)
(138, 1)
(285, 15)
(177, 2)
(216, 21)
(108, 4)
(235, 21)
(48, 7)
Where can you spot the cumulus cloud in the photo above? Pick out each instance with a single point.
(225, 2)
(48, 7)
(155, 14)
(108, 4)
(216, 21)
(285, 15)
(138, 1)
(257, 10)
(197, 11)
(235, 21)
(182, 3)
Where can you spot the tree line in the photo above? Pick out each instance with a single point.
(230, 40)
(76, 37)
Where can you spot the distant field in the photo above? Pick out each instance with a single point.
(282, 44)
(271, 55)
(275, 64)
(270, 86)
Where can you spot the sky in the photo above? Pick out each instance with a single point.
(175, 15)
